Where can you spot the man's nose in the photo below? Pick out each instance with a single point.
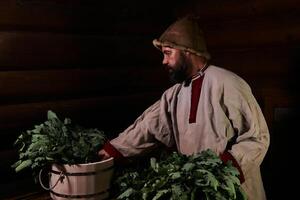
(165, 61)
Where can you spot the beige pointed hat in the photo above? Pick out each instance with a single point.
(186, 35)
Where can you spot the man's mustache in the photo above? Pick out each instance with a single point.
(168, 68)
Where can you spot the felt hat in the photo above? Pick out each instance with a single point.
(184, 34)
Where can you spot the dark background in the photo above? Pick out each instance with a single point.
(95, 63)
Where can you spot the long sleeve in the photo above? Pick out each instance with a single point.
(151, 128)
(252, 139)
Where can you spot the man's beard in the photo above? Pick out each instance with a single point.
(178, 73)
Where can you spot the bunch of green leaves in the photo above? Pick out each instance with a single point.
(56, 141)
(201, 176)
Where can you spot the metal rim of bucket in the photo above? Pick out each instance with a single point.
(70, 196)
(81, 173)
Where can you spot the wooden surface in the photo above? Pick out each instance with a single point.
(31, 196)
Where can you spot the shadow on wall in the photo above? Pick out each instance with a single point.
(281, 172)
(280, 168)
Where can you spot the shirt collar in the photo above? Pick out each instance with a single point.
(195, 76)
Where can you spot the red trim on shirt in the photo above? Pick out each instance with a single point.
(112, 151)
(196, 91)
(226, 156)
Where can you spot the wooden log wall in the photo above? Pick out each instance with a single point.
(95, 63)
(91, 61)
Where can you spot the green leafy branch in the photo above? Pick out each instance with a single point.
(56, 141)
(179, 177)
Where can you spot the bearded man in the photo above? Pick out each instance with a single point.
(207, 108)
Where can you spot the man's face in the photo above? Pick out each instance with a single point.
(176, 63)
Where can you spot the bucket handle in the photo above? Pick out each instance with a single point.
(61, 176)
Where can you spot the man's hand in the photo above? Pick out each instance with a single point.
(103, 155)
(109, 151)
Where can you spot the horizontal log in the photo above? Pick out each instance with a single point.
(257, 32)
(81, 16)
(256, 65)
(267, 60)
(106, 16)
(30, 49)
(262, 67)
(131, 18)
(230, 9)
(110, 112)
(37, 85)
(44, 49)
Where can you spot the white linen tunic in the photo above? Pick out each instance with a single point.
(226, 111)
